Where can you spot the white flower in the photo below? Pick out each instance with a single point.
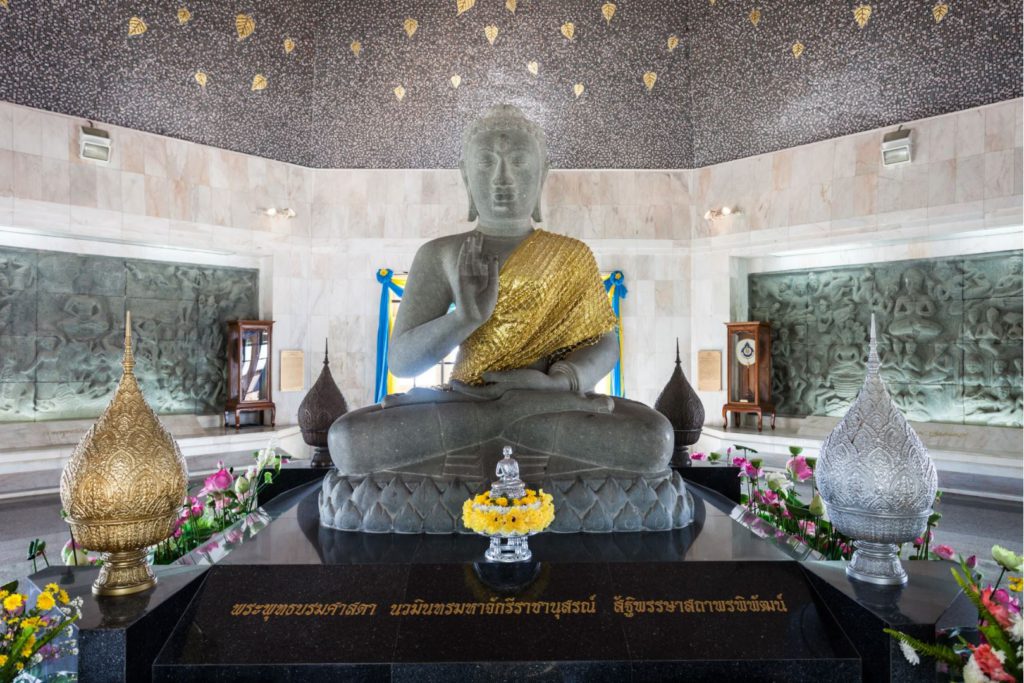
(910, 653)
(973, 673)
(779, 482)
(1016, 627)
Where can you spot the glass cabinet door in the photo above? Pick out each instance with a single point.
(253, 365)
(744, 371)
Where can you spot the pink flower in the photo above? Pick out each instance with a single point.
(738, 461)
(919, 541)
(196, 506)
(177, 532)
(995, 608)
(769, 497)
(990, 663)
(944, 551)
(699, 456)
(799, 468)
(750, 471)
(972, 562)
(1003, 597)
(807, 526)
(218, 481)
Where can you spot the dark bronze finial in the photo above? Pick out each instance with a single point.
(319, 409)
(683, 408)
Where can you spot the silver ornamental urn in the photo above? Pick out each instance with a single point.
(876, 479)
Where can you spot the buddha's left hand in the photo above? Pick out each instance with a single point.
(501, 382)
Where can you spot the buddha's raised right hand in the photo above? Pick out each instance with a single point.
(476, 292)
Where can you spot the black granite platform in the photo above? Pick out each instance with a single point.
(830, 630)
(598, 621)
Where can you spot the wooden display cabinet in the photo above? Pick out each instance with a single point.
(749, 390)
(250, 369)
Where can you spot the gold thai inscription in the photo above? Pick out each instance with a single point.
(495, 607)
(629, 606)
(303, 609)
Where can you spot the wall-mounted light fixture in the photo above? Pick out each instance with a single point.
(896, 147)
(711, 214)
(94, 144)
(272, 211)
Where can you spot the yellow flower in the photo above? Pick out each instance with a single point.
(1016, 583)
(3, 594)
(19, 666)
(32, 622)
(62, 595)
(3, 659)
(26, 652)
(52, 587)
(45, 601)
(13, 601)
(502, 501)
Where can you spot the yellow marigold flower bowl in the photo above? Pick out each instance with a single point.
(508, 522)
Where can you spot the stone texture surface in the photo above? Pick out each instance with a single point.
(62, 315)
(402, 503)
(949, 333)
(729, 89)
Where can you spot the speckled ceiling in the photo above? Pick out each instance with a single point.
(626, 84)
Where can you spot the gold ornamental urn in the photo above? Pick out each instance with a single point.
(124, 486)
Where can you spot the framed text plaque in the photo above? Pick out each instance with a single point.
(292, 366)
(709, 370)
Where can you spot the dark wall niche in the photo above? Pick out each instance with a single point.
(62, 332)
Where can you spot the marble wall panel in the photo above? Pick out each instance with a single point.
(950, 350)
(62, 319)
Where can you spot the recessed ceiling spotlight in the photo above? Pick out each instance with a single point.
(711, 214)
(272, 211)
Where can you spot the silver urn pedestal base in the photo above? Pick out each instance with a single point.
(877, 563)
(508, 549)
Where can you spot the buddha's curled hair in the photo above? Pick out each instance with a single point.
(505, 117)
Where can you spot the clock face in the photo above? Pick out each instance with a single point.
(746, 351)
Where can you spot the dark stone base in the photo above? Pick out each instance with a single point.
(723, 479)
(573, 621)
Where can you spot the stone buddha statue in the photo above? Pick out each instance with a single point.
(530, 316)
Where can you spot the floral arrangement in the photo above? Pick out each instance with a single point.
(27, 634)
(504, 517)
(997, 657)
(771, 496)
(223, 500)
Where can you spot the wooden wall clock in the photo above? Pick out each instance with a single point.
(749, 390)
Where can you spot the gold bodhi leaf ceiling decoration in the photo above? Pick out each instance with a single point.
(245, 26)
(862, 14)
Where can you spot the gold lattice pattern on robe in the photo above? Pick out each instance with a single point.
(551, 301)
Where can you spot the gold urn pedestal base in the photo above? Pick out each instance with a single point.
(124, 573)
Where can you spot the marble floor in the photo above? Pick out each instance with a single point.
(970, 525)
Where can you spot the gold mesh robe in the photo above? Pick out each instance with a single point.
(550, 301)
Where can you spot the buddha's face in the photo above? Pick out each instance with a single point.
(504, 171)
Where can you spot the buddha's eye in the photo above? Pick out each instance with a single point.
(485, 160)
(518, 160)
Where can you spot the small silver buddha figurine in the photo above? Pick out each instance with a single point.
(509, 485)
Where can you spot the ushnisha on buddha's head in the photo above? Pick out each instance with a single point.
(504, 164)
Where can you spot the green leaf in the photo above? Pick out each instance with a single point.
(268, 478)
(795, 450)
(938, 652)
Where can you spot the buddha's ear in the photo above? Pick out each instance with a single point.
(537, 216)
(473, 215)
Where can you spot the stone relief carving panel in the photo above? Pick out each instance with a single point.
(61, 332)
(950, 333)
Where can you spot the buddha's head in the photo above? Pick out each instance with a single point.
(504, 165)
